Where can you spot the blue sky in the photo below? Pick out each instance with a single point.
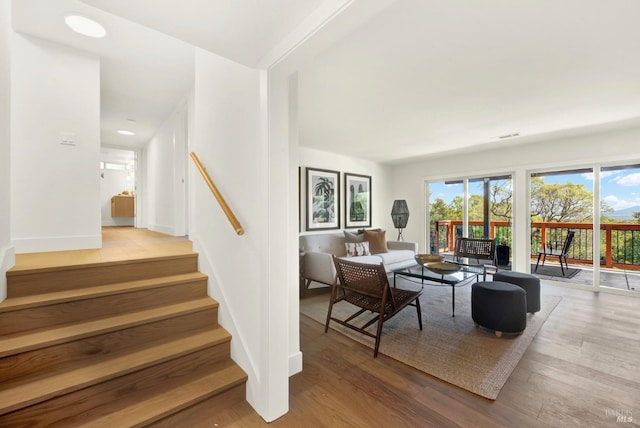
(620, 189)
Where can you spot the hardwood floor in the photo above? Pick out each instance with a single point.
(118, 243)
(581, 370)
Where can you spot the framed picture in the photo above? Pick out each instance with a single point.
(323, 199)
(357, 200)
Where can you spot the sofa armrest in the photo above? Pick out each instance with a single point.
(319, 267)
(402, 245)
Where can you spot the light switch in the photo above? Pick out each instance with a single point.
(68, 139)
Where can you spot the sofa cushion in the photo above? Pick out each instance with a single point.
(377, 241)
(396, 256)
(330, 243)
(357, 249)
(352, 237)
(372, 260)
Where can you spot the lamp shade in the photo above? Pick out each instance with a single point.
(400, 213)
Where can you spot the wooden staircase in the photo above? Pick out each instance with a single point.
(114, 344)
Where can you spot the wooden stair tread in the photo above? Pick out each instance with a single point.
(34, 339)
(169, 399)
(30, 301)
(19, 270)
(106, 367)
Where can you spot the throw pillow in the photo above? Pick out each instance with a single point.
(357, 249)
(361, 231)
(352, 237)
(377, 241)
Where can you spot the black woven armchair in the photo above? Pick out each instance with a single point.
(367, 287)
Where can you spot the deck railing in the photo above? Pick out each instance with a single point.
(620, 246)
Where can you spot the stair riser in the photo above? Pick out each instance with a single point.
(51, 280)
(208, 409)
(83, 310)
(61, 410)
(56, 357)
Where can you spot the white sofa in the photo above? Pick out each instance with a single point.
(319, 248)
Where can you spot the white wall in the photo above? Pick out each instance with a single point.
(227, 134)
(165, 176)
(55, 90)
(584, 150)
(7, 254)
(383, 193)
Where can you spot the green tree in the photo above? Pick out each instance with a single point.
(560, 202)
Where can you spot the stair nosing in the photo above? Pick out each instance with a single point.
(63, 296)
(105, 369)
(124, 417)
(98, 326)
(19, 271)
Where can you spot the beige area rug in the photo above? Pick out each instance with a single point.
(449, 348)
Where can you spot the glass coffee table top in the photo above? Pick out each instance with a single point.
(451, 274)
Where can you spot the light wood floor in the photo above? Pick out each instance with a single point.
(582, 369)
(118, 243)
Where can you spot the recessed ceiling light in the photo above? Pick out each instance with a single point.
(125, 132)
(85, 26)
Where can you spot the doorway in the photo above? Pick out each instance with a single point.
(117, 186)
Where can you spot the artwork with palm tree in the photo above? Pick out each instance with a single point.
(357, 200)
(323, 187)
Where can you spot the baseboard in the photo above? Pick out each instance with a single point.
(167, 230)
(7, 261)
(118, 222)
(295, 363)
(57, 243)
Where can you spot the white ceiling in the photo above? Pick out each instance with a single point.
(147, 60)
(419, 78)
(426, 77)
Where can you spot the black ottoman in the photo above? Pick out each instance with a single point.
(530, 284)
(499, 306)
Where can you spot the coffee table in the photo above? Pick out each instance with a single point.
(465, 275)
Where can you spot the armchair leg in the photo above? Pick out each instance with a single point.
(334, 294)
(419, 312)
(536, 269)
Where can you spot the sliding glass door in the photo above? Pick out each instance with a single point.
(562, 225)
(620, 227)
(477, 207)
(445, 208)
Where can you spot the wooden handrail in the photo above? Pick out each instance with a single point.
(223, 204)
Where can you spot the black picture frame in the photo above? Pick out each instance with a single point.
(322, 199)
(357, 200)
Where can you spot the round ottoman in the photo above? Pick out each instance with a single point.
(499, 306)
(530, 284)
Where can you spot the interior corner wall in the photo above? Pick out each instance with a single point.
(55, 187)
(227, 136)
(554, 152)
(7, 255)
(383, 192)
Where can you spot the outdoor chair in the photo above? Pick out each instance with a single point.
(478, 249)
(367, 287)
(554, 249)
